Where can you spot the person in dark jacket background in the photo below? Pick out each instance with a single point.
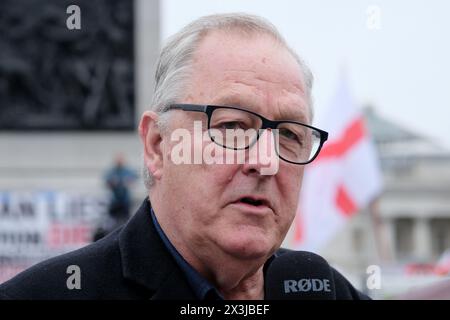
(118, 180)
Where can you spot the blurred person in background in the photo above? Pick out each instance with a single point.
(118, 180)
(207, 231)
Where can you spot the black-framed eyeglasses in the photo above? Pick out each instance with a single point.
(298, 143)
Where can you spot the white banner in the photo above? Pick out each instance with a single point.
(38, 225)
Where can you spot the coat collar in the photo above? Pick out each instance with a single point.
(146, 261)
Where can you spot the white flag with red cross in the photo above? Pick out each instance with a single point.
(344, 178)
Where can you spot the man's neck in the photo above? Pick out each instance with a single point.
(234, 279)
(250, 288)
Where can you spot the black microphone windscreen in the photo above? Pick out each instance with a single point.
(299, 275)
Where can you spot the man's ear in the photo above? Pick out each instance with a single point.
(151, 138)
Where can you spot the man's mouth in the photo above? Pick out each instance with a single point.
(255, 202)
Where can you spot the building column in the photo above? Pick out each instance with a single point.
(422, 239)
(388, 245)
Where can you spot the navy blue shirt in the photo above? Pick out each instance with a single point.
(203, 290)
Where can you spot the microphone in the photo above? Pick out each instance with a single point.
(299, 275)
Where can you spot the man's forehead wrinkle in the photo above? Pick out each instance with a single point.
(272, 81)
(293, 86)
(299, 87)
(239, 70)
(232, 90)
(238, 92)
(260, 90)
(237, 100)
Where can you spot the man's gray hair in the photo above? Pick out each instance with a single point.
(174, 65)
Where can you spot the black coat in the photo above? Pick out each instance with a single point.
(130, 263)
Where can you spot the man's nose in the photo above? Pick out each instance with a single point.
(261, 157)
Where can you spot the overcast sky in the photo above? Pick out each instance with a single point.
(396, 53)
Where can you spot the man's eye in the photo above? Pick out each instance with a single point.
(231, 125)
(286, 133)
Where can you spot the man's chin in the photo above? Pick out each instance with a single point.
(248, 248)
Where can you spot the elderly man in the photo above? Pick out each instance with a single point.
(211, 226)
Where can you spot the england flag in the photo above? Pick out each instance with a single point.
(343, 179)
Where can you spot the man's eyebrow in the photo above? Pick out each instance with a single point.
(234, 101)
(287, 113)
(293, 115)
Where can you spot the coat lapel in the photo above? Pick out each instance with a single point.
(146, 261)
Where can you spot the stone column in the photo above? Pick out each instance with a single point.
(388, 245)
(422, 239)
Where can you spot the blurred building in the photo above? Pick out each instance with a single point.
(408, 228)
